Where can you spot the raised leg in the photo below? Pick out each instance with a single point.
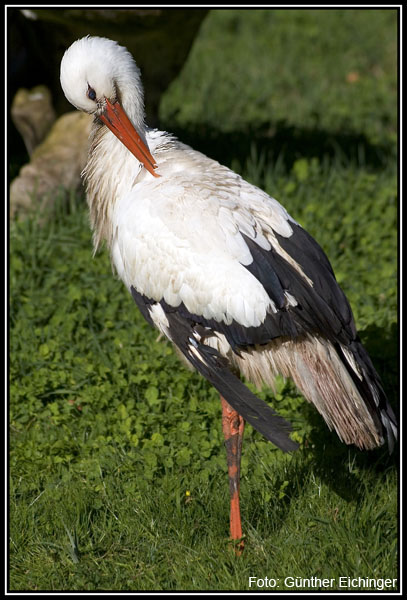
(233, 427)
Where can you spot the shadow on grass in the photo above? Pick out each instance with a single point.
(346, 471)
(383, 348)
(286, 142)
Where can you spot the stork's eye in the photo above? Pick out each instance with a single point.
(91, 93)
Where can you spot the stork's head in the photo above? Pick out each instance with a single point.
(100, 77)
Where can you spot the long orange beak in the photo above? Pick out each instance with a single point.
(118, 122)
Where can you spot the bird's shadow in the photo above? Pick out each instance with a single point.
(383, 346)
(325, 462)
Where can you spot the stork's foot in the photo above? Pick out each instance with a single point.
(233, 428)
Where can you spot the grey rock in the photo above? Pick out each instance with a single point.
(55, 166)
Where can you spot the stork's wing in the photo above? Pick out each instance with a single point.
(221, 254)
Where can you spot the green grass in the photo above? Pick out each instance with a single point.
(117, 467)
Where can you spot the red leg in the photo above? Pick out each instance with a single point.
(233, 427)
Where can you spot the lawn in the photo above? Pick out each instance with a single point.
(117, 466)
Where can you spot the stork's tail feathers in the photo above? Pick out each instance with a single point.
(339, 380)
(360, 367)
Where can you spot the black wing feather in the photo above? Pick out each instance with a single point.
(322, 307)
(213, 367)
(209, 363)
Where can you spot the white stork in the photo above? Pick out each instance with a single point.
(220, 268)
